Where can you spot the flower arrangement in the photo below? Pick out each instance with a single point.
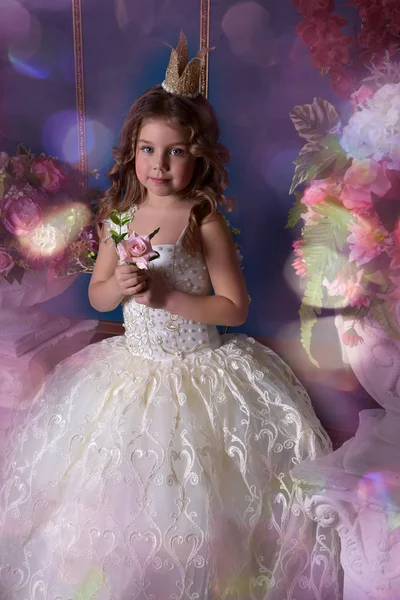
(46, 221)
(342, 57)
(348, 253)
(132, 248)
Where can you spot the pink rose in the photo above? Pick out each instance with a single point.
(359, 97)
(21, 214)
(136, 249)
(6, 262)
(48, 173)
(362, 178)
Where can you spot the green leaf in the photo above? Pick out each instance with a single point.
(126, 220)
(308, 319)
(295, 213)
(383, 315)
(116, 220)
(308, 166)
(315, 121)
(157, 255)
(154, 233)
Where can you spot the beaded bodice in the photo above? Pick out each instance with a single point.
(158, 334)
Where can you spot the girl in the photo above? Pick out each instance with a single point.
(156, 465)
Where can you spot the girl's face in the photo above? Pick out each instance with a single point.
(164, 165)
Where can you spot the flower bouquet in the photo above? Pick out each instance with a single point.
(46, 221)
(348, 253)
(132, 248)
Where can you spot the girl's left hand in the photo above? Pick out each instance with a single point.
(155, 295)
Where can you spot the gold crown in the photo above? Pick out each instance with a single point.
(182, 77)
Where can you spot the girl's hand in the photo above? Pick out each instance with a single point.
(130, 279)
(154, 295)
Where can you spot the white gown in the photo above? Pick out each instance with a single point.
(155, 466)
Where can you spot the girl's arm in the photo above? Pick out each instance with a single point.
(229, 305)
(111, 282)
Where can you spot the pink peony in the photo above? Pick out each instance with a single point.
(360, 96)
(368, 240)
(318, 190)
(362, 178)
(21, 214)
(48, 173)
(351, 338)
(6, 262)
(136, 249)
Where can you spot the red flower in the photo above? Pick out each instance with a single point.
(342, 81)
(308, 8)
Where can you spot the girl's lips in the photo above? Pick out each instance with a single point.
(159, 180)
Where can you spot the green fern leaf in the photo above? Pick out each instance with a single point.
(308, 319)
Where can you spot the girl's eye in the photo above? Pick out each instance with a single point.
(146, 149)
(177, 152)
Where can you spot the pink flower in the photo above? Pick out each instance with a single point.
(4, 160)
(351, 338)
(318, 190)
(349, 288)
(360, 96)
(368, 240)
(6, 262)
(48, 173)
(21, 214)
(136, 249)
(355, 291)
(362, 178)
(299, 267)
(20, 165)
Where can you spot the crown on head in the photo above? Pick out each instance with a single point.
(182, 77)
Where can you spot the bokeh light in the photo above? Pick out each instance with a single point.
(60, 139)
(15, 23)
(251, 38)
(56, 231)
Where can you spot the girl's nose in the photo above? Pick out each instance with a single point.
(161, 163)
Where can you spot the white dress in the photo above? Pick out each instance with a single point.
(155, 466)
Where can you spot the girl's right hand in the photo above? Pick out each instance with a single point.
(130, 279)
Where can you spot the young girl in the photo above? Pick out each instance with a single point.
(156, 465)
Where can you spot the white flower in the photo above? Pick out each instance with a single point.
(47, 239)
(374, 131)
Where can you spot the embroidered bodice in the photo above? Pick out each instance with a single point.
(158, 334)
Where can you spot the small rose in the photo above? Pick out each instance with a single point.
(351, 338)
(48, 173)
(136, 249)
(21, 214)
(6, 262)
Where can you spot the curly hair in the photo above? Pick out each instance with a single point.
(210, 177)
